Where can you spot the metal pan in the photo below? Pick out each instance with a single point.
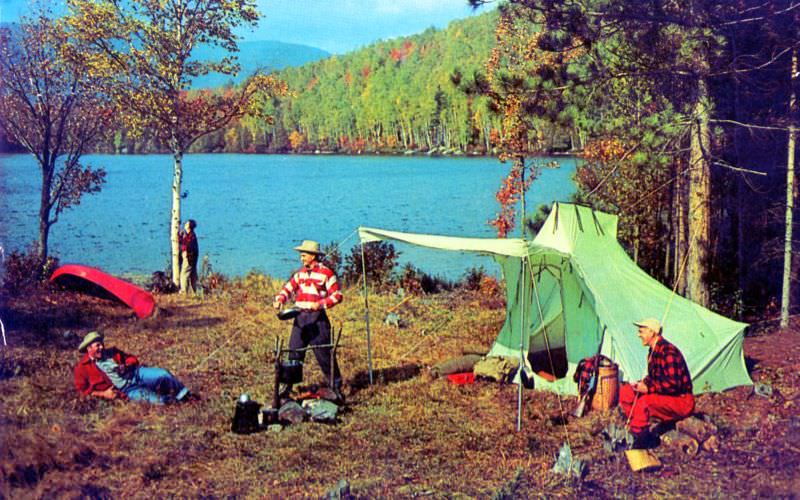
(289, 313)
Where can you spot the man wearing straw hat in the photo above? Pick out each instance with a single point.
(109, 373)
(665, 393)
(315, 289)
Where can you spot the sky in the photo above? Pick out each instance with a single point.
(337, 26)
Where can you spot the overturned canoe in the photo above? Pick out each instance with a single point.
(97, 282)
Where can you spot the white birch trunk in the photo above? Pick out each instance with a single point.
(175, 220)
(786, 300)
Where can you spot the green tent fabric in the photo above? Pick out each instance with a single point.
(574, 284)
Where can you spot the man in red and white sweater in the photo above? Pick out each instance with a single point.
(315, 289)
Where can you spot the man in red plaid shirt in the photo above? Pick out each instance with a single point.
(315, 289)
(665, 393)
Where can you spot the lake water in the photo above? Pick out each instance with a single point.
(252, 209)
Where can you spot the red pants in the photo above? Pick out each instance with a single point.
(665, 408)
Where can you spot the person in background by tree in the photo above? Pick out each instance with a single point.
(189, 254)
(315, 289)
(666, 391)
(109, 373)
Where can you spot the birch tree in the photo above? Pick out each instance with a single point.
(144, 49)
(791, 145)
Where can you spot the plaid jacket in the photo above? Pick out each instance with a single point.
(586, 368)
(667, 372)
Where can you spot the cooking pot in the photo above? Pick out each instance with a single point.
(291, 372)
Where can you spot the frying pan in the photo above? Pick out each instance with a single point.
(289, 313)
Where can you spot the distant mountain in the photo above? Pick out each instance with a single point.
(268, 55)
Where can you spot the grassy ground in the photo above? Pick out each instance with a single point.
(406, 435)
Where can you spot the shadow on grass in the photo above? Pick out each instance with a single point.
(384, 376)
(751, 364)
(40, 327)
(162, 322)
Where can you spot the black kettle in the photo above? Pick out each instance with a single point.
(245, 416)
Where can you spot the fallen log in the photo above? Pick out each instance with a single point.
(697, 428)
(681, 441)
(457, 365)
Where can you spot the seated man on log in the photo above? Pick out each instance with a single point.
(665, 393)
(109, 373)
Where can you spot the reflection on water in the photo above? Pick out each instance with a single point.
(252, 209)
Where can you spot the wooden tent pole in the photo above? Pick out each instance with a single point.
(521, 348)
(366, 312)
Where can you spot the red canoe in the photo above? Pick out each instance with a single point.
(78, 276)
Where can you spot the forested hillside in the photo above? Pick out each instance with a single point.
(402, 94)
(417, 93)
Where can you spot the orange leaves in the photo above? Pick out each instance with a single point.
(511, 191)
(603, 150)
(401, 53)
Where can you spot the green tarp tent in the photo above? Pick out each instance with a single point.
(572, 282)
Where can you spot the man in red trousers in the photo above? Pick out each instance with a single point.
(666, 391)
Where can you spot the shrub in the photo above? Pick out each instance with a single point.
(410, 279)
(414, 280)
(380, 258)
(160, 282)
(332, 257)
(210, 281)
(22, 271)
(472, 279)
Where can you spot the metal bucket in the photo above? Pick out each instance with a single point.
(291, 372)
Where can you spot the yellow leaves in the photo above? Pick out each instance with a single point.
(297, 140)
(604, 150)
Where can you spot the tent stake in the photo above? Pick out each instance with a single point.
(366, 312)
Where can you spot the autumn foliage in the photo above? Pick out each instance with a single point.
(510, 193)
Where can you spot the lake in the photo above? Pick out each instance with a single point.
(252, 209)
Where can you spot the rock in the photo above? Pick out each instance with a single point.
(339, 492)
(679, 440)
(291, 413)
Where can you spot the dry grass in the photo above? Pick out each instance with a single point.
(406, 435)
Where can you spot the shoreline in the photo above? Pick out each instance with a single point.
(462, 155)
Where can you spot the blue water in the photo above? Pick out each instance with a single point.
(252, 209)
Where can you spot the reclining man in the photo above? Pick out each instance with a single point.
(109, 373)
(666, 391)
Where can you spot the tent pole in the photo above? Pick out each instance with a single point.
(521, 350)
(366, 312)
(522, 199)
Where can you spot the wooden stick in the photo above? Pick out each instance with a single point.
(408, 297)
